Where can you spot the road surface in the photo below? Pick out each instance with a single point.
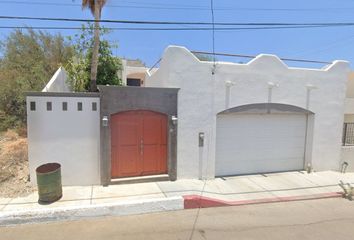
(325, 219)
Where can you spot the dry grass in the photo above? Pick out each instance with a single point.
(14, 172)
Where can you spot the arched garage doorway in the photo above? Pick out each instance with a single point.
(138, 143)
(261, 138)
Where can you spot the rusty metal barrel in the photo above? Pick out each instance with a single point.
(49, 182)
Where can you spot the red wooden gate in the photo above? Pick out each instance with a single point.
(138, 143)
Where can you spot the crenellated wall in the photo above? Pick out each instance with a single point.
(206, 90)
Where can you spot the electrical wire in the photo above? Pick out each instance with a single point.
(173, 28)
(136, 5)
(251, 56)
(176, 22)
(161, 6)
(149, 7)
(213, 30)
(211, 130)
(341, 41)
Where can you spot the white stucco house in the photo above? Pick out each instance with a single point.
(194, 119)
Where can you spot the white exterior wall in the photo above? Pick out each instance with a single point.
(71, 138)
(348, 156)
(203, 95)
(58, 82)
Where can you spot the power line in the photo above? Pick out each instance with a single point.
(136, 5)
(106, 21)
(177, 28)
(213, 30)
(178, 23)
(160, 6)
(212, 101)
(172, 28)
(342, 41)
(252, 56)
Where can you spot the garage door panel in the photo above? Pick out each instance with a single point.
(293, 153)
(295, 145)
(262, 143)
(259, 167)
(261, 134)
(258, 143)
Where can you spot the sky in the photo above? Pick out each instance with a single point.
(324, 44)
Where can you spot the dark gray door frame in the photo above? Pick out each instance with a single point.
(120, 99)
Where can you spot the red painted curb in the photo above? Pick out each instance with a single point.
(196, 201)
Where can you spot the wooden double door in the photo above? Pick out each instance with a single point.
(138, 144)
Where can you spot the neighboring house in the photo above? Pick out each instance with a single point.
(195, 119)
(134, 72)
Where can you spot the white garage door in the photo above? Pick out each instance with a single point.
(259, 143)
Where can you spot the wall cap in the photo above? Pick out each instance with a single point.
(262, 108)
(62, 94)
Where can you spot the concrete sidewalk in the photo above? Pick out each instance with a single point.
(226, 190)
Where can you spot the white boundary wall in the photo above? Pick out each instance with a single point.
(203, 95)
(71, 138)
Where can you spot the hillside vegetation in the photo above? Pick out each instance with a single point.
(14, 172)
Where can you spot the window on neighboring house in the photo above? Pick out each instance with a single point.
(33, 106)
(65, 106)
(348, 134)
(49, 106)
(133, 82)
(79, 106)
(94, 106)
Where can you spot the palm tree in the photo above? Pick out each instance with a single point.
(96, 7)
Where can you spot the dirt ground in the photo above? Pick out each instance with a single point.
(14, 172)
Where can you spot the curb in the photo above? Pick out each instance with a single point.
(197, 201)
(99, 210)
